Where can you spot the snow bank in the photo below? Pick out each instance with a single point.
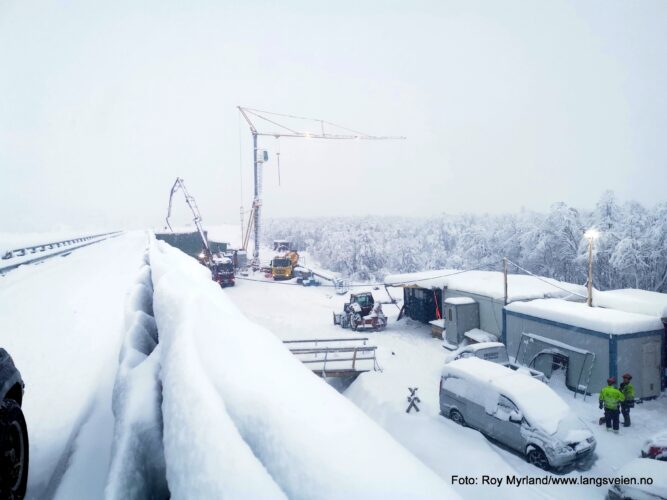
(592, 318)
(488, 284)
(137, 468)
(205, 454)
(633, 300)
(312, 441)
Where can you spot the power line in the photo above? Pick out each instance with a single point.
(545, 281)
(358, 285)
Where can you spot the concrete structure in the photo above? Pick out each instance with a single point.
(190, 242)
(589, 343)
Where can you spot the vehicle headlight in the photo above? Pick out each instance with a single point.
(562, 450)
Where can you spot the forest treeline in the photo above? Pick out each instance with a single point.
(630, 252)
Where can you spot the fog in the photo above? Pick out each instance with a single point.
(504, 105)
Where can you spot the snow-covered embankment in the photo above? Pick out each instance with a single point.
(244, 418)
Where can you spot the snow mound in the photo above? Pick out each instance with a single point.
(237, 404)
(488, 284)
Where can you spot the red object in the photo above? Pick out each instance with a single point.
(653, 451)
(628, 376)
(437, 309)
(611, 380)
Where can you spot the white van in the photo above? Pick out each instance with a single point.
(516, 410)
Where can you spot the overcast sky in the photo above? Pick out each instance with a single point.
(505, 104)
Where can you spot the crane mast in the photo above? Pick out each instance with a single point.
(260, 156)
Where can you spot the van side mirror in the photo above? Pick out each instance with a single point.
(516, 417)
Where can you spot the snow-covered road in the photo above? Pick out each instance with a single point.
(62, 322)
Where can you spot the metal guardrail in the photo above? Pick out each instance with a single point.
(338, 366)
(14, 258)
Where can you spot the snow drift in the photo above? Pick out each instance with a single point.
(260, 422)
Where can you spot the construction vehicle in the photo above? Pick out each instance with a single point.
(222, 270)
(13, 431)
(221, 267)
(361, 313)
(282, 266)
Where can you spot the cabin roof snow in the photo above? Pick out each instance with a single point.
(578, 314)
(633, 300)
(488, 284)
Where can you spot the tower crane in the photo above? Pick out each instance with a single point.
(256, 116)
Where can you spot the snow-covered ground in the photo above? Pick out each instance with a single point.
(62, 322)
(410, 357)
(220, 408)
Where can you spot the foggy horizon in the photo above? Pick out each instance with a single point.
(503, 106)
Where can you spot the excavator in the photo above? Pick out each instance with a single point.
(221, 267)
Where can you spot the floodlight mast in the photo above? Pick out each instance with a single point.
(259, 159)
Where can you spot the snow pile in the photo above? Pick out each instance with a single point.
(592, 318)
(233, 386)
(479, 335)
(137, 467)
(488, 284)
(205, 454)
(633, 300)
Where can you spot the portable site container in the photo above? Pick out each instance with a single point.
(589, 343)
(461, 316)
(638, 301)
(425, 292)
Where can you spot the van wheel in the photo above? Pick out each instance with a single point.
(456, 417)
(537, 458)
(13, 451)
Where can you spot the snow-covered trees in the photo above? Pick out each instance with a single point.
(630, 252)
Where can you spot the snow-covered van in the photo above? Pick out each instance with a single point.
(516, 410)
(497, 353)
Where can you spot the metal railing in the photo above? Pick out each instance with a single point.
(336, 361)
(34, 253)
